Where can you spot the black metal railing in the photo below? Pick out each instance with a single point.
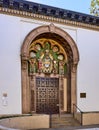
(49, 112)
(78, 113)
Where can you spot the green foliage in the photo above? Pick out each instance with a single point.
(94, 7)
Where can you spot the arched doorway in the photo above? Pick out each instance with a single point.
(49, 62)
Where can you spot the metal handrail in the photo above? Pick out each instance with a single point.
(50, 116)
(77, 108)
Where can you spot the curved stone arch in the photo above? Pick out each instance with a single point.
(24, 62)
(51, 29)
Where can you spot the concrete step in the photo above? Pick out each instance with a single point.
(63, 121)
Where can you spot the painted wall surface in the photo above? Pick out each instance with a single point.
(13, 31)
(10, 67)
(88, 69)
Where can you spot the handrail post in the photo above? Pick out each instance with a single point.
(73, 110)
(81, 118)
(50, 120)
(49, 112)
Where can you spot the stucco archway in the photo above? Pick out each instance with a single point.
(72, 53)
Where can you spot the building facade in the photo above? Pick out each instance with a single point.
(49, 59)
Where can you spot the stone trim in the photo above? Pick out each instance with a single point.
(47, 18)
(50, 28)
(24, 56)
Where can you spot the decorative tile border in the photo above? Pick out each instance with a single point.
(47, 18)
(42, 12)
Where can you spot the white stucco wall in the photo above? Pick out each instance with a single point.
(88, 69)
(10, 76)
(13, 31)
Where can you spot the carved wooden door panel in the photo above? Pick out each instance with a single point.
(47, 95)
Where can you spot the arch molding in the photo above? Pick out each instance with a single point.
(24, 62)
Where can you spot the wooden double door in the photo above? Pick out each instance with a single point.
(47, 95)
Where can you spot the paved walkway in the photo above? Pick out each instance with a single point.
(90, 127)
